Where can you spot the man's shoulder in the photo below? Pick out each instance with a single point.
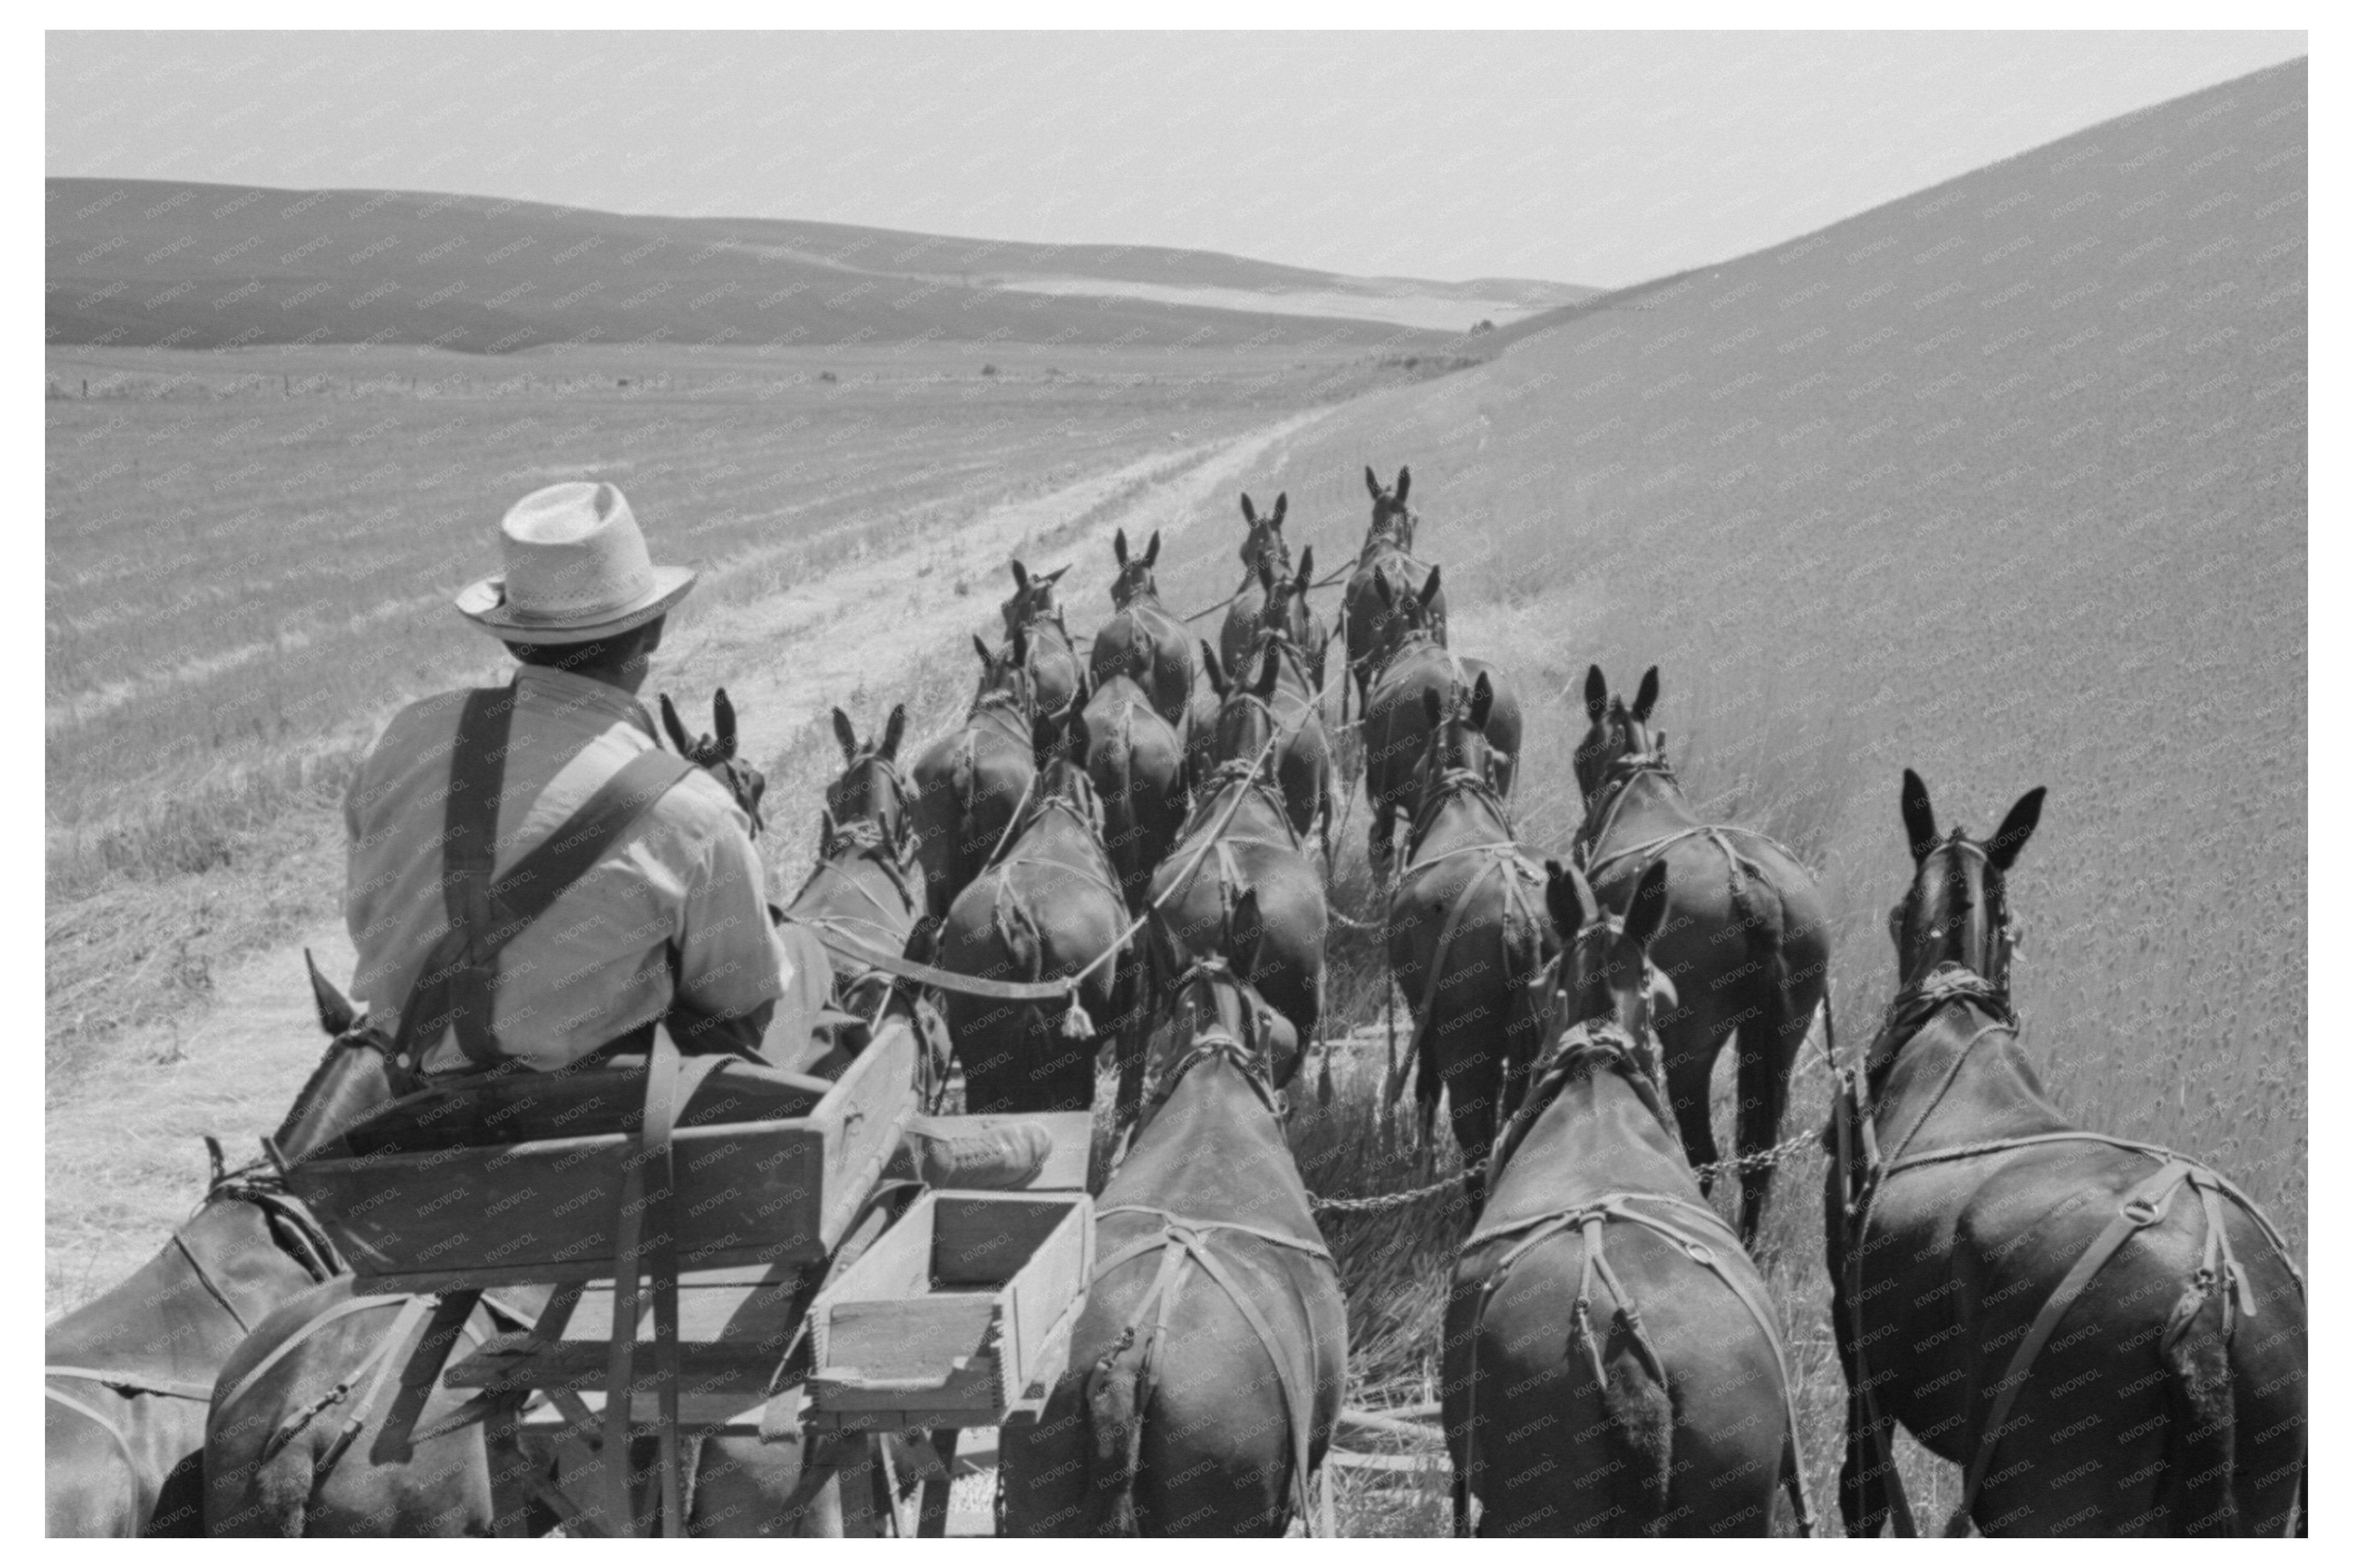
(700, 808)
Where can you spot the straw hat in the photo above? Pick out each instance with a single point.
(576, 570)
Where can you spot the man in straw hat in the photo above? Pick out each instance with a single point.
(532, 878)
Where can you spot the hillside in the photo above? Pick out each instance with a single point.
(2004, 481)
(138, 262)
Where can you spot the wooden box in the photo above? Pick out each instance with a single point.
(956, 1315)
(768, 1171)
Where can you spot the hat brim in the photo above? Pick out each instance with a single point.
(484, 604)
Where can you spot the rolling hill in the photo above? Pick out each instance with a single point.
(147, 262)
(2004, 481)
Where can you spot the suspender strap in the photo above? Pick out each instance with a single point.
(456, 988)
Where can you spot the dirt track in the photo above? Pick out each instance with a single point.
(123, 1156)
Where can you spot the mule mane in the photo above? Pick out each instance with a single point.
(1193, 998)
(1448, 786)
(1582, 1050)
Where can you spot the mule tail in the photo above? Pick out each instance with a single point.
(1115, 1396)
(2200, 1425)
(1640, 1424)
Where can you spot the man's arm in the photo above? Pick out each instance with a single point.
(729, 967)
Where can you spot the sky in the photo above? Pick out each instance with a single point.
(1592, 158)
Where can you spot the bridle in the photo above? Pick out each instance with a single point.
(1618, 776)
(844, 832)
(1439, 792)
(291, 1226)
(1248, 1052)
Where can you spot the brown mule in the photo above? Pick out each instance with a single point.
(1208, 1366)
(863, 885)
(1748, 948)
(2109, 1337)
(717, 755)
(130, 1374)
(1664, 1408)
(1280, 605)
(1136, 760)
(1048, 908)
(1279, 699)
(1240, 839)
(972, 784)
(1397, 726)
(1266, 561)
(1370, 625)
(1466, 934)
(1142, 638)
(1047, 651)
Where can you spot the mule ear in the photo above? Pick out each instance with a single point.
(722, 718)
(336, 1013)
(2002, 848)
(1405, 482)
(1056, 575)
(1210, 668)
(1646, 694)
(1483, 701)
(1567, 899)
(1119, 546)
(1431, 709)
(1429, 589)
(1649, 909)
(1152, 550)
(1020, 577)
(1372, 482)
(893, 731)
(1596, 694)
(1248, 929)
(846, 735)
(1020, 645)
(677, 730)
(1281, 505)
(1306, 570)
(987, 660)
(1250, 512)
(1919, 822)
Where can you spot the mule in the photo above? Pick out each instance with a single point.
(1396, 717)
(972, 784)
(1266, 560)
(1241, 838)
(718, 755)
(1371, 627)
(1748, 947)
(1208, 1366)
(1280, 605)
(1142, 638)
(1665, 1408)
(1278, 700)
(1136, 761)
(863, 885)
(130, 1373)
(2108, 1337)
(1047, 650)
(1050, 907)
(1465, 933)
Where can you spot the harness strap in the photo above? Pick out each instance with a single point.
(455, 987)
(1183, 1243)
(90, 1414)
(135, 1382)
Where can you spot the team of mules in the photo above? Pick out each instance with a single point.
(1122, 839)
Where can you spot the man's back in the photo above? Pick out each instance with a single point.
(599, 962)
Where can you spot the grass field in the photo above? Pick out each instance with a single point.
(2005, 481)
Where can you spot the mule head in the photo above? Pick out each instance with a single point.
(1393, 522)
(1033, 598)
(1215, 1015)
(1060, 747)
(1264, 544)
(1004, 672)
(1135, 579)
(1606, 974)
(1246, 719)
(1409, 613)
(1458, 747)
(871, 788)
(717, 754)
(1614, 730)
(1958, 909)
